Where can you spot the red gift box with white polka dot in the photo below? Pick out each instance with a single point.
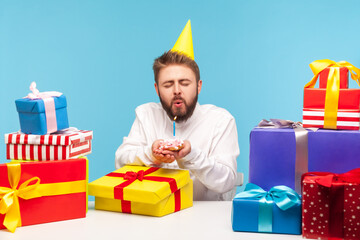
(330, 212)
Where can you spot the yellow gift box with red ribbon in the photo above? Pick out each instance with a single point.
(40, 192)
(335, 107)
(143, 190)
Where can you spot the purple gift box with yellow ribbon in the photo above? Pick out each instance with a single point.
(41, 113)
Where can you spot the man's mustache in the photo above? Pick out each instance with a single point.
(178, 98)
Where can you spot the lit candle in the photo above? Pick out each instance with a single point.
(174, 124)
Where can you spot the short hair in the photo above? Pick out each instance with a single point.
(172, 57)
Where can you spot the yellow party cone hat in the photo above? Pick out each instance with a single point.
(184, 44)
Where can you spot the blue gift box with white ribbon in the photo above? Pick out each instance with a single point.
(42, 113)
(33, 118)
(276, 211)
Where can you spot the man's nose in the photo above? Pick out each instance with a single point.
(177, 89)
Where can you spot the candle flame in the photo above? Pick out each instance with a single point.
(175, 118)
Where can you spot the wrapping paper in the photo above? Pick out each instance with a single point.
(144, 190)
(276, 211)
(348, 115)
(301, 146)
(33, 118)
(333, 114)
(344, 77)
(273, 154)
(57, 146)
(57, 191)
(330, 212)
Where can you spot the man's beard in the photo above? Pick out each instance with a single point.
(180, 117)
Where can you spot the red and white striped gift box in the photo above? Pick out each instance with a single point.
(65, 144)
(346, 119)
(348, 113)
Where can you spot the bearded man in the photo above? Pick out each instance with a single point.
(210, 136)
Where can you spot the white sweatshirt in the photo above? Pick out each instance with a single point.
(212, 134)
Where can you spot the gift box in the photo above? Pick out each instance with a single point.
(348, 113)
(333, 105)
(273, 154)
(331, 205)
(42, 112)
(276, 211)
(343, 75)
(143, 190)
(65, 144)
(41, 192)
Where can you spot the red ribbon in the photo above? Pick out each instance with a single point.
(326, 179)
(332, 181)
(131, 177)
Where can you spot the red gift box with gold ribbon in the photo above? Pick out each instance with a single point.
(143, 190)
(333, 105)
(41, 192)
(331, 205)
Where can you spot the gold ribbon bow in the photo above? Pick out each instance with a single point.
(332, 87)
(31, 188)
(9, 204)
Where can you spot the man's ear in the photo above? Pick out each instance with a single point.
(156, 89)
(199, 86)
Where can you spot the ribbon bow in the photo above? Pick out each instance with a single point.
(72, 130)
(132, 176)
(9, 204)
(49, 104)
(279, 123)
(319, 65)
(36, 94)
(283, 196)
(332, 87)
(326, 179)
(301, 141)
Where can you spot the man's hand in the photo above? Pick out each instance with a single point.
(184, 151)
(167, 156)
(161, 156)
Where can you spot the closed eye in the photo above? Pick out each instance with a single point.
(168, 84)
(185, 82)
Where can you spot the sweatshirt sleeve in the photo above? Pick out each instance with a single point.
(135, 150)
(217, 169)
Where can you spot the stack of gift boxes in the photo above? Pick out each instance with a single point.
(46, 179)
(304, 179)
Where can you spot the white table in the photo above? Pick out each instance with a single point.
(205, 220)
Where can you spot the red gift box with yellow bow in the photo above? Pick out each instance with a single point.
(333, 105)
(41, 192)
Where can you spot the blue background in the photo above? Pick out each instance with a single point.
(253, 57)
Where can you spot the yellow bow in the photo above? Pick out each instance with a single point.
(332, 86)
(319, 65)
(9, 197)
(9, 204)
